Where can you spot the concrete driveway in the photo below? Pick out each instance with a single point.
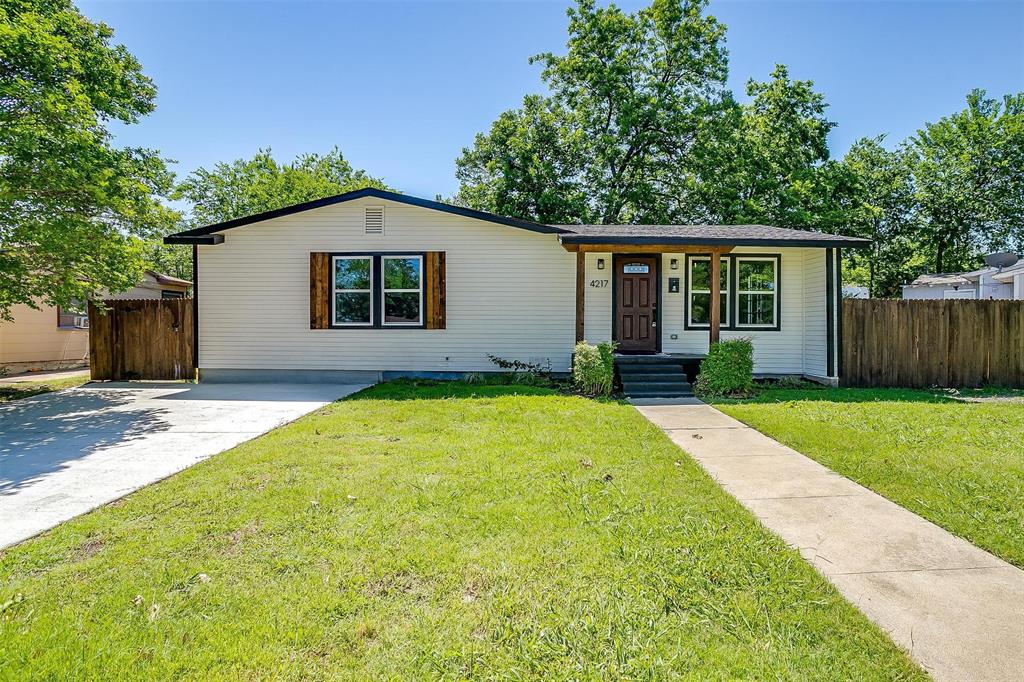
(64, 453)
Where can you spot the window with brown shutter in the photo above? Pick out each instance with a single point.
(377, 290)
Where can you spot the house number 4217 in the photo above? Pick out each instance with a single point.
(599, 283)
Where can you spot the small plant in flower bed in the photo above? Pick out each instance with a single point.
(728, 370)
(522, 372)
(593, 368)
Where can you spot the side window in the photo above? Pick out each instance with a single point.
(699, 304)
(352, 297)
(757, 292)
(403, 290)
(75, 315)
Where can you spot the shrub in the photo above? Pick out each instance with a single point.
(593, 368)
(522, 372)
(727, 370)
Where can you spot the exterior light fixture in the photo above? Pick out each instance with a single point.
(674, 263)
(600, 263)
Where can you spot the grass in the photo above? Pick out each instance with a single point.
(954, 457)
(25, 389)
(433, 531)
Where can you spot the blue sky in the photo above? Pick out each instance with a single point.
(402, 87)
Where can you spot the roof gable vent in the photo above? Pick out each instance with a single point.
(374, 220)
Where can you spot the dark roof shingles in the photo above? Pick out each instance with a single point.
(702, 233)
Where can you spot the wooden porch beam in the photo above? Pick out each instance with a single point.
(581, 292)
(716, 299)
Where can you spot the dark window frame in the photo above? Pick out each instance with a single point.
(377, 289)
(731, 323)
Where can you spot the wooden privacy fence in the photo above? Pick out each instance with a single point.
(141, 339)
(918, 344)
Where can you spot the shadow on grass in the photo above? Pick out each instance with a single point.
(431, 389)
(872, 395)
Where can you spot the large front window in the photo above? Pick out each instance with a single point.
(353, 290)
(373, 290)
(757, 296)
(403, 290)
(700, 291)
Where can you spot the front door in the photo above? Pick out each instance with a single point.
(636, 303)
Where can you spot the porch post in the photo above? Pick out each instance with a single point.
(581, 272)
(716, 296)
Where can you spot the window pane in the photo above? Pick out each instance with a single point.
(756, 275)
(757, 309)
(352, 308)
(400, 308)
(401, 273)
(700, 275)
(352, 273)
(700, 309)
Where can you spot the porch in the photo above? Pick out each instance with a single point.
(672, 291)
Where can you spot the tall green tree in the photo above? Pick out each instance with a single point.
(885, 212)
(72, 206)
(767, 161)
(969, 181)
(247, 186)
(614, 140)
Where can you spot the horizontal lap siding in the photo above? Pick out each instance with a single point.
(815, 314)
(510, 293)
(597, 310)
(775, 352)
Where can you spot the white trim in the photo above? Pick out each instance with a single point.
(774, 293)
(384, 291)
(723, 314)
(335, 291)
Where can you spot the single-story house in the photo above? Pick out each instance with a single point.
(52, 337)
(988, 283)
(371, 285)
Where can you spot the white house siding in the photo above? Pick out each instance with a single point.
(510, 292)
(815, 343)
(597, 302)
(775, 352)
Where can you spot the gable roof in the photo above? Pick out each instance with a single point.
(201, 235)
(734, 235)
(731, 235)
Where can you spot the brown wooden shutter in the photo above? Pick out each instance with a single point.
(319, 290)
(435, 290)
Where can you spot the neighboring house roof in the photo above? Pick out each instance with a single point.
(740, 235)
(950, 279)
(1007, 274)
(168, 280)
(737, 235)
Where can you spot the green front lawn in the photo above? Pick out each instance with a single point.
(440, 531)
(25, 389)
(954, 457)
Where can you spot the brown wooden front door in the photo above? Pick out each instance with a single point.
(636, 303)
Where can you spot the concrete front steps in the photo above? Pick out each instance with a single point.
(652, 376)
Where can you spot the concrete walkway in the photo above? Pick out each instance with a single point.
(64, 453)
(958, 610)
